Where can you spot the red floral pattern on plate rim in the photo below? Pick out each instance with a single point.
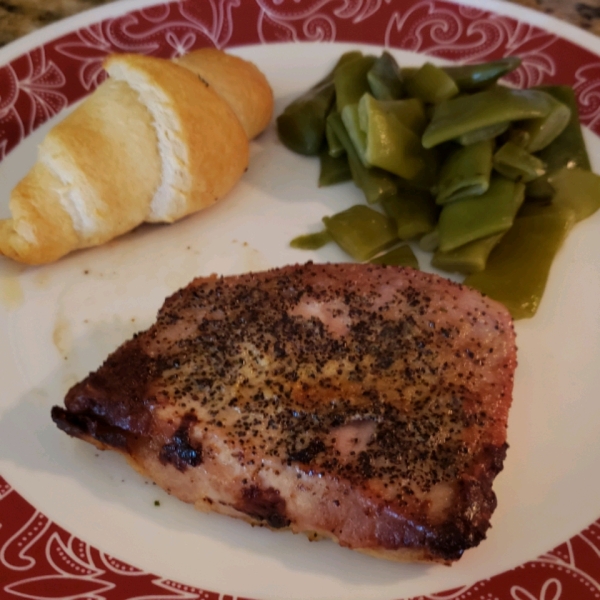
(38, 559)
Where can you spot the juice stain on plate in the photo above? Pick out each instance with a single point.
(42, 279)
(61, 336)
(11, 291)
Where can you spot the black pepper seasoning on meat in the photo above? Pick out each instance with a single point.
(370, 380)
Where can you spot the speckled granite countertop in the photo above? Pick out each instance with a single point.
(18, 17)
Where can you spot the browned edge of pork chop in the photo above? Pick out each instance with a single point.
(362, 403)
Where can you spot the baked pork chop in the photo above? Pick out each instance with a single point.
(362, 403)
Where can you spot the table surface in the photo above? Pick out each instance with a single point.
(18, 17)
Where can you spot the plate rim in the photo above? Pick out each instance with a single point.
(81, 20)
(116, 8)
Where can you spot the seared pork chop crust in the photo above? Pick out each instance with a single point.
(363, 403)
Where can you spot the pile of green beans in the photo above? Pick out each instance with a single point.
(489, 178)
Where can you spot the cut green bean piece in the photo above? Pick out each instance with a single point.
(431, 84)
(375, 183)
(483, 134)
(529, 208)
(567, 150)
(301, 126)
(361, 231)
(410, 112)
(458, 116)
(535, 209)
(333, 170)
(351, 82)
(389, 144)
(385, 78)
(312, 241)
(517, 269)
(408, 72)
(386, 134)
(577, 190)
(545, 130)
(466, 172)
(514, 162)
(342, 60)
(472, 78)
(356, 133)
(334, 146)
(467, 259)
(402, 256)
(476, 217)
(414, 212)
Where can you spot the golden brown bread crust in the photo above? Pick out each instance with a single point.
(215, 141)
(252, 102)
(34, 203)
(99, 170)
(108, 147)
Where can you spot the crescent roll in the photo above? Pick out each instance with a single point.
(156, 141)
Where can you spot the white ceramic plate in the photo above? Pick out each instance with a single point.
(59, 321)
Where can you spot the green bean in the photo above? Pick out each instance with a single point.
(301, 126)
(414, 212)
(410, 112)
(544, 130)
(361, 231)
(567, 150)
(515, 163)
(465, 172)
(402, 256)
(458, 116)
(333, 170)
(312, 241)
(517, 269)
(577, 190)
(388, 143)
(374, 183)
(408, 72)
(431, 84)
(473, 78)
(334, 146)
(351, 82)
(483, 134)
(467, 259)
(476, 217)
(356, 133)
(385, 78)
